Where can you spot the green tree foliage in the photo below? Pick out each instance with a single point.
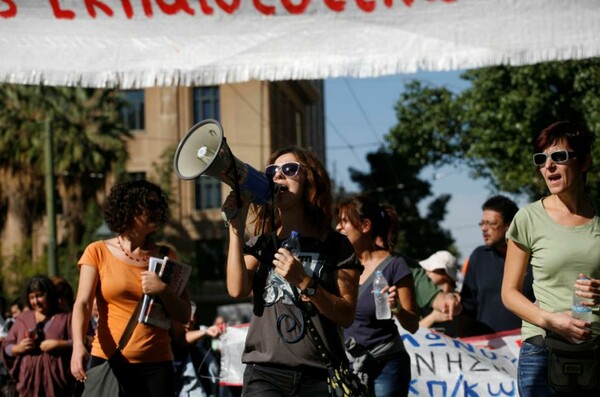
(21, 155)
(491, 126)
(89, 143)
(394, 180)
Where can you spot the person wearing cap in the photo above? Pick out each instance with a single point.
(429, 296)
(483, 310)
(441, 270)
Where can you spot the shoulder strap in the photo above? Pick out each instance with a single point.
(133, 322)
(367, 284)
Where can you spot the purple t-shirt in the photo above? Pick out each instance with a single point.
(366, 329)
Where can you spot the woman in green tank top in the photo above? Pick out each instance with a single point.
(560, 236)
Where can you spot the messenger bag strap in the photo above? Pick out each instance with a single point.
(312, 330)
(163, 251)
(133, 322)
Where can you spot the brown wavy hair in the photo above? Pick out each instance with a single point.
(317, 198)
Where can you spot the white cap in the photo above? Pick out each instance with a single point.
(441, 260)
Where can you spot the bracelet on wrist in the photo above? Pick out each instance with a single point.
(395, 309)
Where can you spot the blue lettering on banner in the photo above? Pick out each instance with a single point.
(411, 387)
(502, 391)
(431, 384)
(440, 388)
(470, 389)
(406, 337)
(489, 354)
(457, 386)
(434, 337)
(459, 344)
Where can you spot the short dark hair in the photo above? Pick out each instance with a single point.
(578, 136)
(18, 301)
(128, 199)
(503, 205)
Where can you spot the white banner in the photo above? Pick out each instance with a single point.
(142, 43)
(440, 366)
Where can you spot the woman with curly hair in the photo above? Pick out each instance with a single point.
(37, 348)
(115, 273)
(280, 355)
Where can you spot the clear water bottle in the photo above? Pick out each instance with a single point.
(580, 311)
(292, 243)
(382, 307)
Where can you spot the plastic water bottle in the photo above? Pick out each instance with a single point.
(292, 243)
(382, 307)
(580, 311)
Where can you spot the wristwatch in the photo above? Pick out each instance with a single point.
(311, 288)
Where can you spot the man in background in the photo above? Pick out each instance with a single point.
(483, 310)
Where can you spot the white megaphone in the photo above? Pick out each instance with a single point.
(204, 151)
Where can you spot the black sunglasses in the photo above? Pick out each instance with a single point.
(557, 157)
(289, 170)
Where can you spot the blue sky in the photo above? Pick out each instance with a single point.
(359, 112)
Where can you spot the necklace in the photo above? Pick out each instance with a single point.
(128, 254)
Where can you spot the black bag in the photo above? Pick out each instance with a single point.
(101, 381)
(573, 367)
(343, 382)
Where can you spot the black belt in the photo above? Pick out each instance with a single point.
(537, 340)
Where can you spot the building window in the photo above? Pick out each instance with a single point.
(132, 112)
(208, 193)
(206, 103)
(206, 106)
(135, 176)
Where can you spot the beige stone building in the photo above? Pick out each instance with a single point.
(257, 118)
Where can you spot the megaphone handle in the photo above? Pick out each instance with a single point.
(238, 194)
(229, 214)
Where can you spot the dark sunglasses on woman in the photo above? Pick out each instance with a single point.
(288, 170)
(557, 157)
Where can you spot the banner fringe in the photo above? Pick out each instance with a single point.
(295, 70)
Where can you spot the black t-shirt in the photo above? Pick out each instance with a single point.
(277, 333)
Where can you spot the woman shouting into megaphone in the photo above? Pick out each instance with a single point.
(317, 286)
